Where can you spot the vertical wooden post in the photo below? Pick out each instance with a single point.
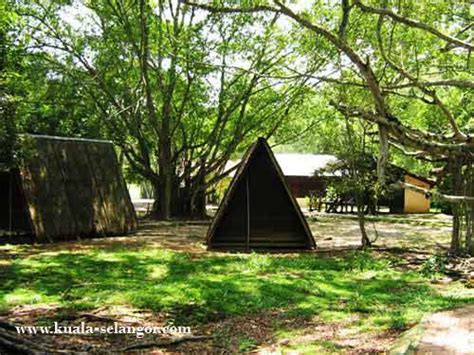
(248, 211)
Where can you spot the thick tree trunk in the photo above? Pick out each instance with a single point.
(469, 210)
(198, 196)
(164, 191)
(191, 204)
(382, 160)
(155, 213)
(197, 205)
(187, 202)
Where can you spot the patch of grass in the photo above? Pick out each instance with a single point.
(246, 343)
(312, 347)
(197, 289)
(398, 321)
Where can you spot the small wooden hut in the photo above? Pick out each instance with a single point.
(300, 172)
(409, 201)
(66, 188)
(258, 211)
(300, 175)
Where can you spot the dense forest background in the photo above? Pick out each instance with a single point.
(182, 87)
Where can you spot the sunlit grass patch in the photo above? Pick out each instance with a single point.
(197, 289)
(304, 341)
(26, 296)
(312, 347)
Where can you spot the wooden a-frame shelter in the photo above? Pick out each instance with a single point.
(258, 210)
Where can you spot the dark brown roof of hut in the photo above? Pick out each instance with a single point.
(66, 188)
(258, 210)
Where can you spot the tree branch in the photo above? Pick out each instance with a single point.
(413, 23)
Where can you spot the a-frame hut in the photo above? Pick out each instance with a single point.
(258, 210)
(64, 189)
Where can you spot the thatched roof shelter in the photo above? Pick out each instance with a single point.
(258, 211)
(65, 189)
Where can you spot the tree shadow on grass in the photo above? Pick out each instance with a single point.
(195, 290)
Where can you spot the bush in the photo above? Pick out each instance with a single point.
(365, 260)
(435, 264)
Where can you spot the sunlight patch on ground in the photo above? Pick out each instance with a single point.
(21, 296)
(364, 298)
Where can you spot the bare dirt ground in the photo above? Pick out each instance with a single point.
(429, 233)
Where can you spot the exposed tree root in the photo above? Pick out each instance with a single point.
(165, 342)
(20, 344)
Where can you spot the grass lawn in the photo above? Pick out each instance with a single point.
(311, 302)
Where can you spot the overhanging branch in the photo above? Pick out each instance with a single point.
(414, 23)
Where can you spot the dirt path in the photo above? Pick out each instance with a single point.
(449, 332)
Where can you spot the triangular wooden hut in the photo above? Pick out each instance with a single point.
(66, 188)
(258, 210)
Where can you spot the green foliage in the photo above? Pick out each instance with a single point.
(7, 137)
(176, 89)
(7, 104)
(424, 56)
(35, 97)
(311, 127)
(398, 321)
(183, 90)
(434, 265)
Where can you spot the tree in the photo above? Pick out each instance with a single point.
(7, 105)
(34, 98)
(397, 56)
(176, 91)
(355, 170)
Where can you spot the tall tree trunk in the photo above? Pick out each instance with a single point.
(198, 197)
(382, 160)
(190, 202)
(164, 188)
(197, 205)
